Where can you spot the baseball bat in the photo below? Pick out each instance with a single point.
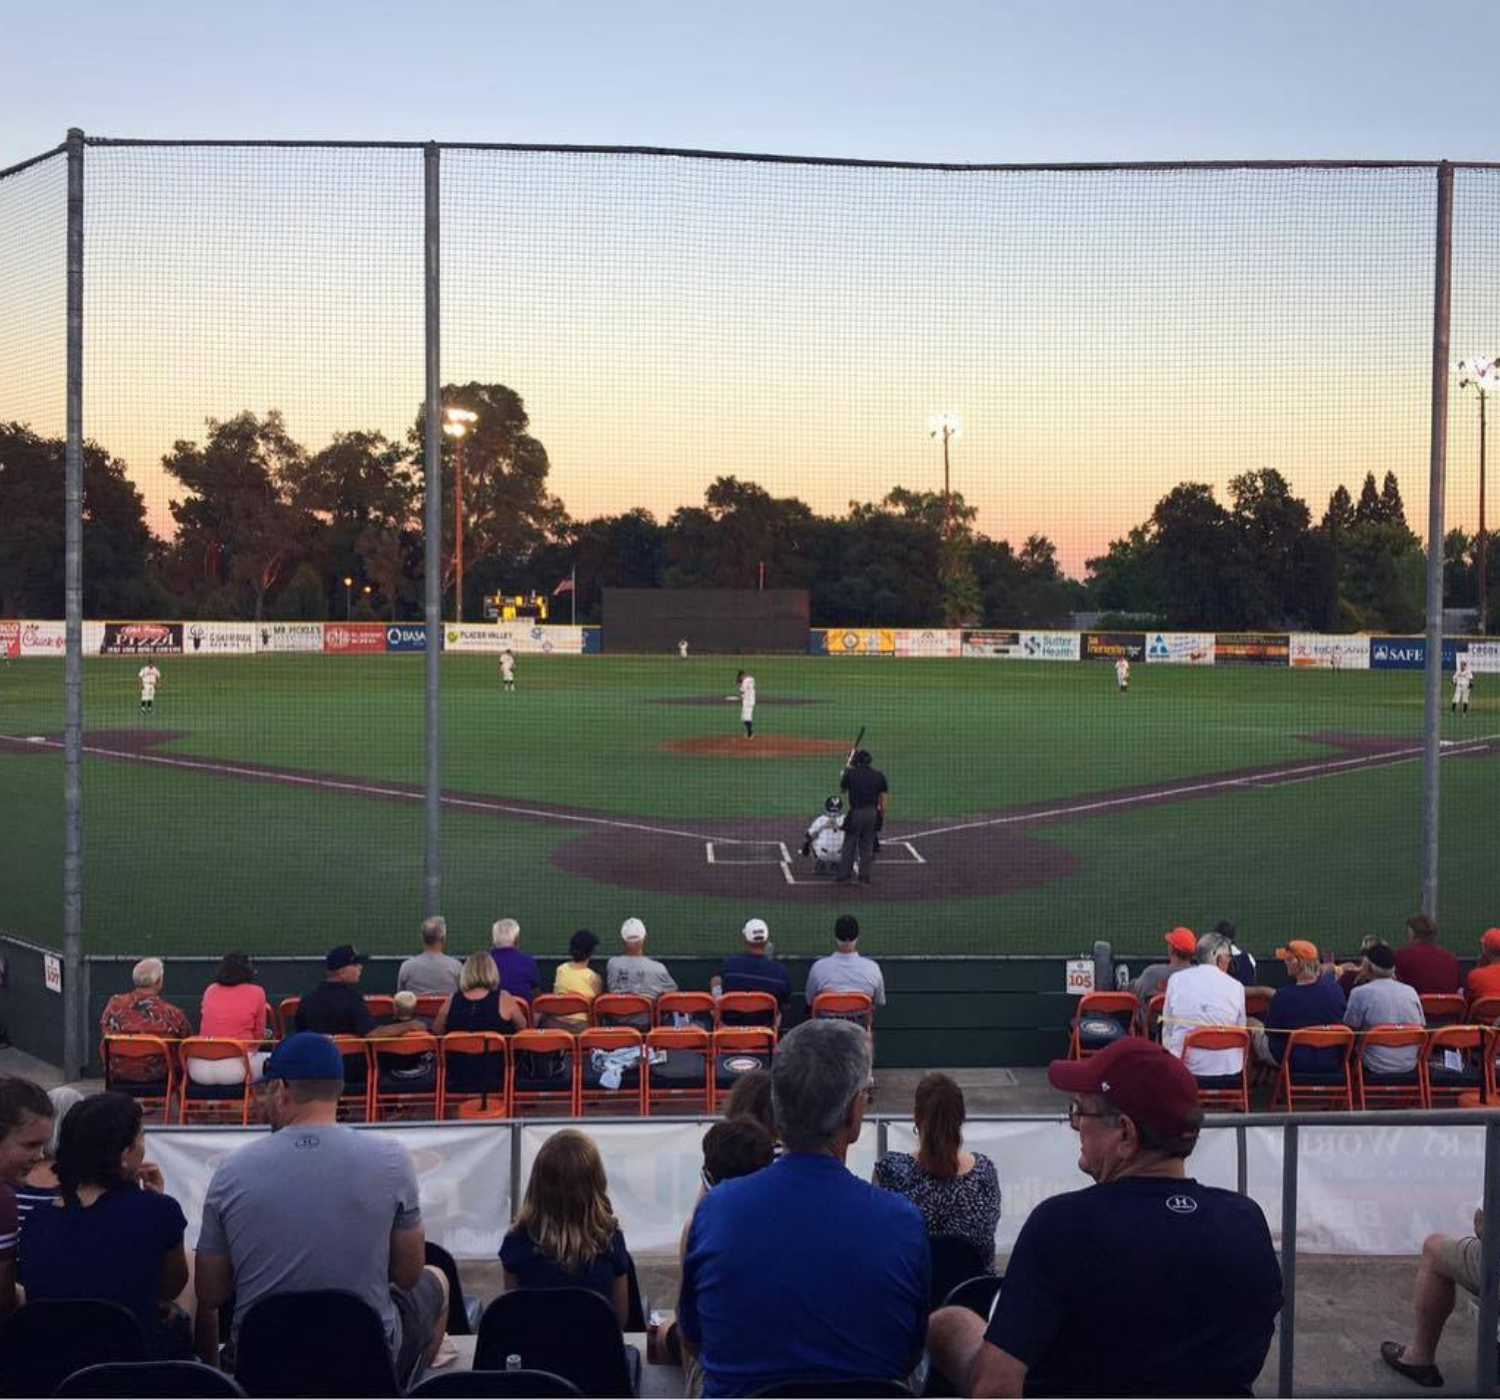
(853, 749)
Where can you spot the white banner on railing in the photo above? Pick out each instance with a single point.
(1483, 656)
(1317, 651)
(518, 637)
(217, 638)
(1051, 646)
(1180, 648)
(289, 636)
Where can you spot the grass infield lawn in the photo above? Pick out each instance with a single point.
(273, 802)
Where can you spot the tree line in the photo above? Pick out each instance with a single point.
(266, 529)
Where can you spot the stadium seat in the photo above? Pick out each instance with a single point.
(858, 1007)
(682, 1081)
(1332, 1089)
(1445, 1083)
(629, 1095)
(544, 1071)
(1225, 1091)
(1484, 1011)
(286, 1015)
(381, 1007)
(571, 1332)
(285, 1347)
(978, 1294)
(354, 1102)
(481, 1087)
(1120, 1008)
(1257, 1002)
(483, 1385)
(43, 1342)
(154, 1095)
(463, 1308)
(142, 1380)
(685, 1009)
(1151, 1016)
(429, 1006)
(953, 1259)
(1407, 1090)
(622, 1009)
(815, 1386)
(214, 1103)
(1443, 1009)
(395, 1097)
(738, 1050)
(566, 1011)
(748, 1009)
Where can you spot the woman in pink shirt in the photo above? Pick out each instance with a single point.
(234, 1008)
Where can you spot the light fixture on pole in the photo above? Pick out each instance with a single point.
(348, 584)
(456, 424)
(1483, 376)
(945, 426)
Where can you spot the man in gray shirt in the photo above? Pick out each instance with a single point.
(1383, 1001)
(317, 1205)
(844, 970)
(432, 972)
(632, 971)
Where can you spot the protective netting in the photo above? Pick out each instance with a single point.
(718, 374)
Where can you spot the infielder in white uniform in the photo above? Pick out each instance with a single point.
(1122, 674)
(1463, 680)
(682, 648)
(148, 676)
(747, 702)
(508, 668)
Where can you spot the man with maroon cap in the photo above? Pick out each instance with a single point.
(1182, 947)
(1484, 980)
(1079, 1269)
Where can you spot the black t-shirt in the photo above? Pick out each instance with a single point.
(1129, 1265)
(335, 1008)
(756, 972)
(864, 785)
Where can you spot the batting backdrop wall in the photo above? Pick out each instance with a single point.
(711, 619)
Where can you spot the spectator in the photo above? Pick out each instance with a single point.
(632, 971)
(1182, 948)
(565, 1235)
(802, 1270)
(518, 973)
(432, 973)
(1357, 973)
(1380, 1000)
(334, 1006)
(1241, 964)
(25, 1126)
(576, 978)
(750, 1097)
(1484, 980)
(1446, 1264)
(321, 1207)
(234, 1008)
(478, 1005)
(957, 1191)
(1424, 963)
(844, 969)
(1205, 995)
(411, 1074)
(112, 1233)
(1079, 1271)
(143, 1011)
(39, 1187)
(1308, 999)
(754, 969)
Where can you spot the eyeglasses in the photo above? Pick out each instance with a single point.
(1077, 1114)
(869, 1092)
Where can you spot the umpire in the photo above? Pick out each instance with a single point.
(867, 789)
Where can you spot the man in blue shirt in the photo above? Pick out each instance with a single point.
(754, 970)
(518, 973)
(1146, 1283)
(1308, 999)
(801, 1271)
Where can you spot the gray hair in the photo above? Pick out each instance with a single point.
(63, 1098)
(1210, 945)
(148, 972)
(504, 933)
(434, 930)
(817, 1071)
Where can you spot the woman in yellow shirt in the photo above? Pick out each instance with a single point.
(577, 977)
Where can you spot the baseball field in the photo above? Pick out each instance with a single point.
(273, 802)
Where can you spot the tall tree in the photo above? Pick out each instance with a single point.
(1391, 507)
(1340, 513)
(1194, 537)
(1126, 578)
(1371, 509)
(1273, 561)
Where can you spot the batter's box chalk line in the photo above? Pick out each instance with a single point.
(746, 852)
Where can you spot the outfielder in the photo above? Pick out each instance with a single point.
(148, 676)
(747, 701)
(682, 648)
(825, 837)
(1122, 673)
(1463, 680)
(508, 668)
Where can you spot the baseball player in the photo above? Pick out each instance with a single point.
(1463, 681)
(508, 668)
(825, 837)
(682, 648)
(746, 683)
(148, 676)
(1122, 674)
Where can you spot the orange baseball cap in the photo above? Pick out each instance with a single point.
(1182, 940)
(1490, 941)
(1299, 948)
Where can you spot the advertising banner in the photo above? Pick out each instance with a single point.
(141, 639)
(1111, 646)
(1410, 653)
(1181, 648)
(44, 638)
(861, 641)
(1483, 656)
(289, 636)
(1051, 646)
(347, 637)
(1317, 651)
(519, 637)
(10, 639)
(217, 638)
(1251, 649)
(992, 644)
(406, 636)
(929, 643)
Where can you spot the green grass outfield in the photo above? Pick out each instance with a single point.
(180, 860)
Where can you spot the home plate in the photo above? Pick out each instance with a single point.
(36, 738)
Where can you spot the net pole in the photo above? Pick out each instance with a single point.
(432, 864)
(72, 891)
(1432, 709)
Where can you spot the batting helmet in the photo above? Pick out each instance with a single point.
(862, 757)
(834, 804)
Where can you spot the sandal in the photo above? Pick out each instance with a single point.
(1428, 1375)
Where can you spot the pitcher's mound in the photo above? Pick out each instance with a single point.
(761, 746)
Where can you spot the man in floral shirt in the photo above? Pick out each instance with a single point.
(143, 1011)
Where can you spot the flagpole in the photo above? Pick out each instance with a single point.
(573, 596)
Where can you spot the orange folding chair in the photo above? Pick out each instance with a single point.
(1484, 1011)
(382, 1008)
(1406, 1089)
(629, 1095)
(748, 1009)
(683, 1078)
(428, 1006)
(144, 1067)
(737, 1050)
(1443, 1009)
(1455, 1064)
(1332, 1088)
(354, 1102)
(286, 1015)
(544, 1071)
(566, 1011)
(622, 1009)
(858, 1007)
(1257, 1002)
(1151, 1026)
(685, 1009)
(412, 1094)
(1230, 1092)
(214, 1103)
(474, 1075)
(1119, 1007)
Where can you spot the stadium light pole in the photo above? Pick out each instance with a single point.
(348, 584)
(456, 424)
(947, 427)
(1483, 376)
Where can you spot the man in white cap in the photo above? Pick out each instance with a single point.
(632, 971)
(754, 969)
